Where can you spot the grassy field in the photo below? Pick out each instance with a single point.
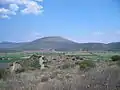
(11, 57)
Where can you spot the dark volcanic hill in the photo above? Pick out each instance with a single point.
(58, 43)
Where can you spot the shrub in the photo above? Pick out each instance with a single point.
(67, 58)
(77, 62)
(53, 75)
(3, 73)
(44, 79)
(73, 59)
(35, 64)
(87, 64)
(81, 58)
(77, 57)
(54, 59)
(10, 64)
(115, 58)
(31, 68)
(60, 77)
(68, 76)
(20, 70)
(67, 65)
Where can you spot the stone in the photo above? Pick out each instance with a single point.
(16, 66)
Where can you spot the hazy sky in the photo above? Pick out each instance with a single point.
(78, 20)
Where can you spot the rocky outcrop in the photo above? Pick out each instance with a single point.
(15, 66)
(35, 61)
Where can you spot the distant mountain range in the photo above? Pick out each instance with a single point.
(57, 43)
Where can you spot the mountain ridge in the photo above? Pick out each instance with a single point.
(58, 43)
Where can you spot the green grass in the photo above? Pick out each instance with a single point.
(94, 56)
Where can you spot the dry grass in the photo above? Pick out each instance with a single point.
(101, 77)
(104, 80)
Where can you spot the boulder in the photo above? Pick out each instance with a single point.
(16, 66)
(42, 62)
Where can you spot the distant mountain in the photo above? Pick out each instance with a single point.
(54, 42)
(114, 46)
(58, 43)
(10, 44)
(93, 46)
(10, 47)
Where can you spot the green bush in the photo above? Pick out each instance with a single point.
(20, 71)
(35, 64)
(115, 58)
(77, 57)
(73, 59)
(87, 64)
(81, 58)
(77, 62)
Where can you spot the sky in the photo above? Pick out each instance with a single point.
(79, 20)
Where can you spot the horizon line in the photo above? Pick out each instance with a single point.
(55, 36)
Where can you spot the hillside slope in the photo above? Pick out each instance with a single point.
(60, 44)
(50, 42)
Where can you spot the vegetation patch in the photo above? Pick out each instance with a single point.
(67, 65)
(73, 59)
(54, 59)
(44, 78)
(77, 62)
(87, 64)
(3, 73)
(35, 64)
(20, 71)
(115, 58)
